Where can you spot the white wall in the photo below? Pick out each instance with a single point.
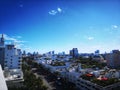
(12, 57)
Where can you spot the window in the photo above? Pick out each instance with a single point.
(5, 61)
(88, 84)
(82, 82)
(6, 65)
(19, 61)
(82, 86)
(9, 47)
(19, 57)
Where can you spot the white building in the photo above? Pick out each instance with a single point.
(10, 56)
(3, 85)
(13, 57)
(13, 74)
(73, 72)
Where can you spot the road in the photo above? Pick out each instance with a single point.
(45, 82)
(50, 80)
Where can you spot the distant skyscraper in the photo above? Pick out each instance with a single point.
(74, 52)
(24, 52)
(53, 52)
(63, 53)
(97, 52)
(71, 52)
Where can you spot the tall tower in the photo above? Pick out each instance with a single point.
(2, 41)
(74, 52)
(2, 52)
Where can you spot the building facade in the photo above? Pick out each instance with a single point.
(2, 41)
(113, 59)
(13, 57)
(3, 85)
(74, 52)
(2, 56)
(10, 56)
(2, 51)
(83, 84)
(97, 52)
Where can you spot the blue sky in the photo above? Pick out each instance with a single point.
(60, 25)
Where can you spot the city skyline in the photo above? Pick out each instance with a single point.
(60, 25)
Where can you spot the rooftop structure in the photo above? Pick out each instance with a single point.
(2, 41)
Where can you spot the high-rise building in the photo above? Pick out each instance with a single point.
(53, 52)
(71, 52)
(13, 57)
(24, 53)
(97, 52)
(2, 51)
(2, 41)
(113, 59)
(10, 56)
(74, 52)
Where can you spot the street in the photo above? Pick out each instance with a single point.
(51, 81)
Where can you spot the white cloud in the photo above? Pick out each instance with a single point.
(114, 27)
(18, 36)
(19, 45)
(12, 39)
(52, 12)
(90, 38)
(59, 10)
(55, 11)
(31, 49)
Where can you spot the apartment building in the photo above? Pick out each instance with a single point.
(10, 56)
(13, 57)
(113, 59)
